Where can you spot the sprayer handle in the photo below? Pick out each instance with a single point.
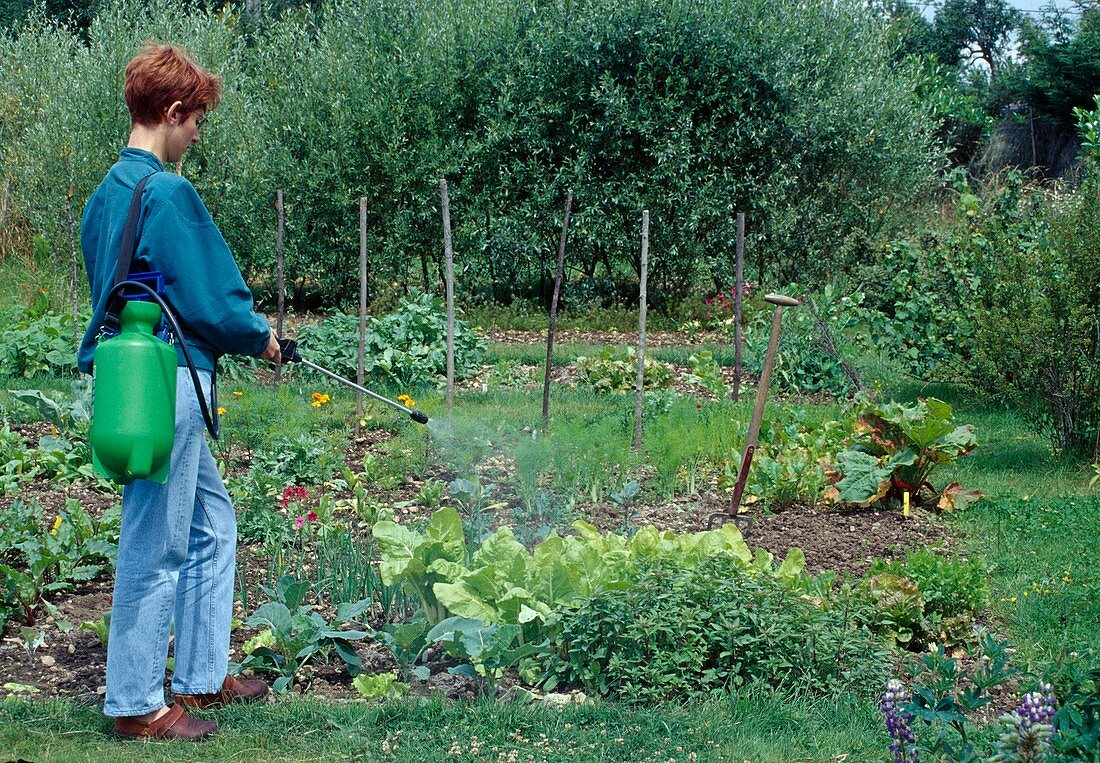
(289, 349)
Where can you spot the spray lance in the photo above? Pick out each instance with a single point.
(289, 349)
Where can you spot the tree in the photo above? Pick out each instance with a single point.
(969, 31)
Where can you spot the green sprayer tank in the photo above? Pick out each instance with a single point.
(134, 418)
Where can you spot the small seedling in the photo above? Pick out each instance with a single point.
(32, 640)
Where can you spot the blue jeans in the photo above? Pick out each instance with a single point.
(176, 561)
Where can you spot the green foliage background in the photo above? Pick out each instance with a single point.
(690, 108)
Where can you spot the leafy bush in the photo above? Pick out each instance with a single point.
(616, 370)
(34, 342)
(407, 347)
(1038, 322)
(704, 631)
(300, 458)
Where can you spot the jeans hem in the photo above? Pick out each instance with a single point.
(131, 713)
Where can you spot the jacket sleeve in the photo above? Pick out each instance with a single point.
(201, 279)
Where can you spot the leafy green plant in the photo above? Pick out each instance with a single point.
(75, 548)
(616, 370)
(431, 493)
(623, 497)
(944, 692)
(898, 447)
(71, 416)
(298, 633)
(406, 347)
(379, 686)
(950, 587)
(301, 458)
(709, 629)
(473, 499)
(1078, 719)
(37, 342)
(33, 639)
(706, 373)
(490, 650)
(406, 642)
(100, 628)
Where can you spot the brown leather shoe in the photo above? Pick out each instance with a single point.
(233, 690)
(175, 724)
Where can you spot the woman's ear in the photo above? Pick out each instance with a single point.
(174, 113)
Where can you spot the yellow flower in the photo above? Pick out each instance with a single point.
(221, 411)
(56, 524)
(319, 399)
(407, 401)
(1012, 599)
(237, 393)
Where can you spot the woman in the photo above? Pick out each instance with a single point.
(177, 547)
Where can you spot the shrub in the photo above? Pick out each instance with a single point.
(1038, 323)
(694, 633)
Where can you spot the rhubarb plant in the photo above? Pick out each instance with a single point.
(898, 447)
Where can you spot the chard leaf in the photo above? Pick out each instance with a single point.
(470, 597)
(444, 533)
(398, 547)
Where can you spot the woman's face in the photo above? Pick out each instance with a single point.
(182, 132)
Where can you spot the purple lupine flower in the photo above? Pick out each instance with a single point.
(1028, 729)
(1037, 706)
(897, 722)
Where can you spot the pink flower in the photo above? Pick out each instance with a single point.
(299, 521)
(312, 516)
(708, 300)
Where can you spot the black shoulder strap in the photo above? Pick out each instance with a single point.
(126, 250)
(128, 245)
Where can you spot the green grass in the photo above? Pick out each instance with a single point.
(1042, 554)
(756, 727)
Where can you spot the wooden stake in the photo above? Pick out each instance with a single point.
(738, 285)
(74, 275)
(449, 277)
(554, 309)
(361, 373)
(280, 282)
(639, 384)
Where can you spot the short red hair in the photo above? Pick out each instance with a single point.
(160, 75)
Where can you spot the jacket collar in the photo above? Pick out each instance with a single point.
(141, 155)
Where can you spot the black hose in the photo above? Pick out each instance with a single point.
(212, 424)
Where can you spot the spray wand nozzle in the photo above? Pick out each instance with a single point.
(289, 350)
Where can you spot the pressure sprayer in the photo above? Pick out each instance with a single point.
(289, 349)
(134, 414)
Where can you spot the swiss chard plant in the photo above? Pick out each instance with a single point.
(897, 448)
(37, 559)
